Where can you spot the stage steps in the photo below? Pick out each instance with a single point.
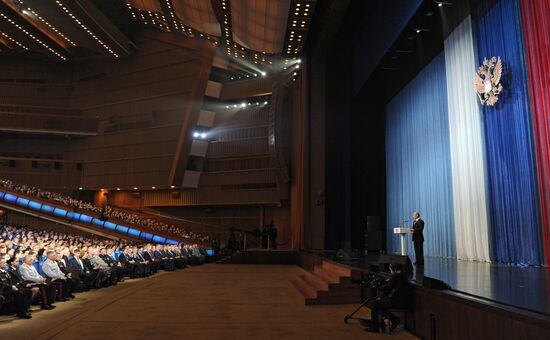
(328, 283)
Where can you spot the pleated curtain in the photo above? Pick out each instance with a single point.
(536, 31)
(514, 211)
(418, 165)
(466, 146)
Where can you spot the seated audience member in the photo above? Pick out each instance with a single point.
(79, 271)
(29, 273)
(14, 292)
(51, 269)
(116, 269)
(98, 263)
(128, 263)
(148, 256)
(63, 263)
(101, 276)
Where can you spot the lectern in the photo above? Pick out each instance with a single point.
(402, 232)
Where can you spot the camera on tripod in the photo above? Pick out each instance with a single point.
(371, 280)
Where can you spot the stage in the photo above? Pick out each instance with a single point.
(525, 288)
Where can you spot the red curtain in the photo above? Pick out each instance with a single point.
(536, 30)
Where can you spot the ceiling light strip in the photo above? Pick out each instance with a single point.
(86, 29)
(33, 37)
(52, 27)
(14, 41)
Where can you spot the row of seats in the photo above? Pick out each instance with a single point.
(105, 211)
(42, 267)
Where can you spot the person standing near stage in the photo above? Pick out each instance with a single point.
(418, 238)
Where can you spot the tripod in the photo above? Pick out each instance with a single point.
(363, 304)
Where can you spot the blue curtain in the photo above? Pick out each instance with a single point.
(418, 165)
(509, 146)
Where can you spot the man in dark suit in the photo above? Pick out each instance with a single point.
(21, 297)
(79, 270)
(418, 239)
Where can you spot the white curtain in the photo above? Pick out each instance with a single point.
(466, 143)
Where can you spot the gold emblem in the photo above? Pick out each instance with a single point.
(487, 81)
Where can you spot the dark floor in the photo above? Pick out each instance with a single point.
(208, 302)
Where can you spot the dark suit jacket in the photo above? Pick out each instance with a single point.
(418, 227)
(147, 256)
(75, 266)
(124, 258)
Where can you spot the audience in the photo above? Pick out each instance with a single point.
(105, 211)
(42, 267)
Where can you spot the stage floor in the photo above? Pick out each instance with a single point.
(521, 287)
(526, 288)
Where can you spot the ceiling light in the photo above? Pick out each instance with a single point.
(265, 103)
(203, 135)
(135, 188)
(196, 134)
(243, 104)
(153, 187)
(263, 73)
(417, 31)
(172, 187)
(118, 189)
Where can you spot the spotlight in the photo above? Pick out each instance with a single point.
(265, 103)
(172, 186)
(417, 31)
(227, 106)
(118, 189)
(257, 103)
(80, 188)
(135, 188)
(203, 135)
(299, 61)
(255, 74)
(440, 4)
(235, 105)
(196, 134)
(295, 73)
(263, 74)
(153, 188)
(249, 104)
(243, 105)
(298, 66)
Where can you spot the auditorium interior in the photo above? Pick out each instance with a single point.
(275, 169)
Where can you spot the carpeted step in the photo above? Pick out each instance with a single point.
(326, 275)
(307, 291)
(337, 269)
(315, 281)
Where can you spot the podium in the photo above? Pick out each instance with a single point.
(402, 232)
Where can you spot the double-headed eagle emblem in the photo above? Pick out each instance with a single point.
(487, 81)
